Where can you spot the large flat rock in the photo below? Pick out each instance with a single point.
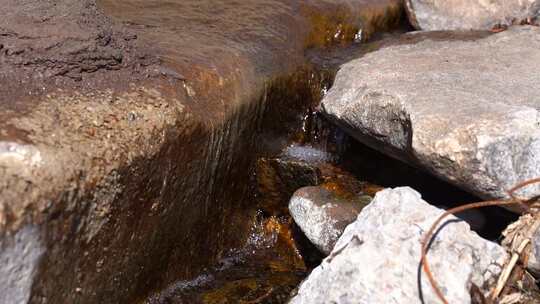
(465, 110)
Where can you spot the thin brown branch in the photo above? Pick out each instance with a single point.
(520, 186)
(429, 235)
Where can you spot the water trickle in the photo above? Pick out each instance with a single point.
(295, 145)
(267, 270)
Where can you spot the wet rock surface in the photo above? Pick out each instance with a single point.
(467, 15)
(376, 260)
(127, 130)
(323, 215)
(278, 179)
(265, 271)
(397, 100)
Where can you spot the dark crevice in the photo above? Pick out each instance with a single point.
(373, 167)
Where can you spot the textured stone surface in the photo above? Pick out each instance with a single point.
(469, 14)
(322, 215)
(376, 260)
(278, 179)
(464, 110)
(19, 260)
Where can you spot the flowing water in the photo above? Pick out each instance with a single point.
(208, 40)
(266, 270)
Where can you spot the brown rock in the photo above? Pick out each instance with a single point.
(126, 139)
(278, 179)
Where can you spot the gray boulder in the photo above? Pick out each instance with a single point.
(376, 260)
(465, 110)
(466, 14)
(322, 215)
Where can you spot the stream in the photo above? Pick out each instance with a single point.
(301, 150)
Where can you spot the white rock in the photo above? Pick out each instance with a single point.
(323, 216)
(19, 261)
(376, 260)
(469, 14)
(468, 111)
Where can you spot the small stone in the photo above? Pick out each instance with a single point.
(131, 116)
(322, 215)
